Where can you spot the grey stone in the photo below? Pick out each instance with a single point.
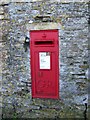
(71, 19)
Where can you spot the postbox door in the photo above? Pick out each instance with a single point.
(46, 81)
(44, 49)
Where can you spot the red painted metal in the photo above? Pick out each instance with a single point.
(44, 50)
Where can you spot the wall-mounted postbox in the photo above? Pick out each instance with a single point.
(44, 48)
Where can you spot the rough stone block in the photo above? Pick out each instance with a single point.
(1, 17)
(4, 2)
(1, 36)
(1, 10)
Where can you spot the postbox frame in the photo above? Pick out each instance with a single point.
(41, 48)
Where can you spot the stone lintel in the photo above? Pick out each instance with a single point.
(43, 26)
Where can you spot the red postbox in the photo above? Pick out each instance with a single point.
(44, 49)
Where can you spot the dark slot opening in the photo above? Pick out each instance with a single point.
(43, 42)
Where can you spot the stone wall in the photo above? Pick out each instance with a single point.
(72, 22)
